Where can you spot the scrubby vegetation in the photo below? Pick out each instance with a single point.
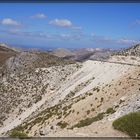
(56, 110)
(62, 124)
(129, 124)
(18, 134)
(89, 121)
(96, 89)
(110, 110)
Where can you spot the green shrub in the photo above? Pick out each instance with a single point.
(18, 134)
(83, 97)
(92, 109)
(90, 94)
(62, 124)
(110, 110)
(102, 99)
(129, 124)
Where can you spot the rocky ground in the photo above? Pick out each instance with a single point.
(44, 95)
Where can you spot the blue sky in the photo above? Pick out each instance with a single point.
(107, 25)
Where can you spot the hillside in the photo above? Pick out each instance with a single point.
(130, 56)
(44, 95)
(131, 51)
(61, 52)
(5, 53)
(26, 77)
(83, 54)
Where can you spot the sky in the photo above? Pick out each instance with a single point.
(70, 25)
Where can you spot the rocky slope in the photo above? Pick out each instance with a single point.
(130, 55)
(43, 95)
(26, 78)
(131, 51)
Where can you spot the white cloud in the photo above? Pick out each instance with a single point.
(10, 22)
(128, 41)
(108, 40)
(65, 35)
(61, 22)
(43, 35)
(40, 16)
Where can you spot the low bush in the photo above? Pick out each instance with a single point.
(129, 124)
(110, 110)
(18, 134)
(62, 124)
